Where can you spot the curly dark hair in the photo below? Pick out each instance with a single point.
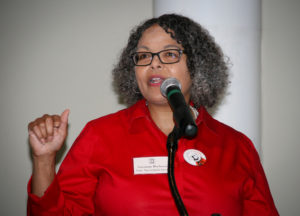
(205, 61)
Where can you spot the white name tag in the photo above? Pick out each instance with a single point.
(150, 165)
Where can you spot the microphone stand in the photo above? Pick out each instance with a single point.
(172, 144)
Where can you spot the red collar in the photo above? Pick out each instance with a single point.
(139, 112)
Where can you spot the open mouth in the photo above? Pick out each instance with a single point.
(156, 80)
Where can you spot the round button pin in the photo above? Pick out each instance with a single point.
(194, 157)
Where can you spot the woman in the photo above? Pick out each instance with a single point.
(117, 165)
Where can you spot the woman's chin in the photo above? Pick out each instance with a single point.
(158, 101)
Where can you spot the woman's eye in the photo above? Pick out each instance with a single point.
(142, 56)
(171, 54)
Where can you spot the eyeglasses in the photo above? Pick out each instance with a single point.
(169, 56)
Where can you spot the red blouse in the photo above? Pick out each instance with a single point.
(97, 176)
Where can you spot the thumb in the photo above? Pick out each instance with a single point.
(64, 118)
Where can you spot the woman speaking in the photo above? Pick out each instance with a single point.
(118, 163)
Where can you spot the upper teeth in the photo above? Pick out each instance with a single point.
(155, 80)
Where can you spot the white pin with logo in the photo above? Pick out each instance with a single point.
(194, 157)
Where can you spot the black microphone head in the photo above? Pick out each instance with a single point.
(168, 83)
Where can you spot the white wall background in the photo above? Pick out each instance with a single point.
(281, 101)
(55, 54)
(58, 54)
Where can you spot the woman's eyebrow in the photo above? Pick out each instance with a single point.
(142, 47)
(172, 46)
(169, 46)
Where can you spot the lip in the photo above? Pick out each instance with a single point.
(155, 80)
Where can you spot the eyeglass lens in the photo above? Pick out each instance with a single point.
(165, 56)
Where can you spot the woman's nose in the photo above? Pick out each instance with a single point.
(156, 62)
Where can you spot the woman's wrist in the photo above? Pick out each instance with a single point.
(43, 173)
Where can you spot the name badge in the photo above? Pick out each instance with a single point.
(150, 165)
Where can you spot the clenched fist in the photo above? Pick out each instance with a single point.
(48, 133)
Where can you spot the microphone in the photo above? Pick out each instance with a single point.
(171, 89)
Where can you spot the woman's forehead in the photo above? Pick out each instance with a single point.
(156, 37)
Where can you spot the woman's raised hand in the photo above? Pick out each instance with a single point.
(47, 134)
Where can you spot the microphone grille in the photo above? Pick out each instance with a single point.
(167, 83)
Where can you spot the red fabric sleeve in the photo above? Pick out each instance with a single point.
(258, 200)
(73, 188)
(49, 204)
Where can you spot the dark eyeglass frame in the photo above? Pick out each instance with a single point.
(158, 55)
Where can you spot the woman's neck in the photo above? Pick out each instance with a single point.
(162, 116)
